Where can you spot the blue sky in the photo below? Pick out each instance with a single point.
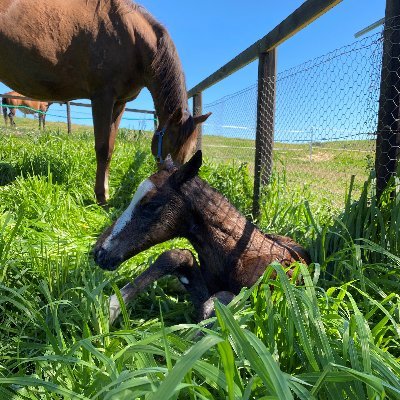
(208, 34)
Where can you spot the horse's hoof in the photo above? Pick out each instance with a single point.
(101, 200)
(103, 203)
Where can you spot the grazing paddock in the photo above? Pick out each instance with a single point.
(326, 170)
(335, 337)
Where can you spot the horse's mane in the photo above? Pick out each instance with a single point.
(166, 65)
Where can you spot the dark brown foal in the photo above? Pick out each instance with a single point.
(175, 202)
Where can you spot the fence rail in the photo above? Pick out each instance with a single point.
(309, 11)
(68, 105)
(357, 92)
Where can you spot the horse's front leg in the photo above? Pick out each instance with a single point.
(106, 117)
(5, 115)
(11, 115)
(42, 121)
(168, 263)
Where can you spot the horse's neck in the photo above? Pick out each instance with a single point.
(219, 232)
(166, 81)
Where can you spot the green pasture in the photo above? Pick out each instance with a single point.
(324, 167)
(336, 336)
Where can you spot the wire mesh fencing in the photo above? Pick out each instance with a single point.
(388, 132)
(324, 117)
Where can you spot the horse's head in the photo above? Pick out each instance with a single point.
(179, 136)
(156, 213)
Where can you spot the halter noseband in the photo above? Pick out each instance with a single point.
(160, 135)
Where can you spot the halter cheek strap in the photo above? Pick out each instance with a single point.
(160, 135)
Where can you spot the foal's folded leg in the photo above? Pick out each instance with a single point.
(194, 283)
(166, 264)
(207, 309)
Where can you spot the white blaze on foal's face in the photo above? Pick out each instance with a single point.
(126, 216)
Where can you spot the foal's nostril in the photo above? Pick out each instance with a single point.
(104, 260)
(99, 255)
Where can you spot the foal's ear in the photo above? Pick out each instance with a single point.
(168, 163)
(188, 170)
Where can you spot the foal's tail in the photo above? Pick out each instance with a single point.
(4, 107)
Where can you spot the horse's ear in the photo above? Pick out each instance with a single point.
(201, 118)
(188, 170)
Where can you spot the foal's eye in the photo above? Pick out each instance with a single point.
(152, 208)
(157, 209)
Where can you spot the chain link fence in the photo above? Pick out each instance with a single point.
(324, 119)
(388, 133)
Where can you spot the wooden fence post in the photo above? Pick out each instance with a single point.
(388, 132)
(198, 110)
(68, 116)
(265, 124)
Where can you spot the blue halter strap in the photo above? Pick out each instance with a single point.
(160, 135)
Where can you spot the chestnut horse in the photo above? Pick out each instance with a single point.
(25, 106)
(175, 202)
(103, 50)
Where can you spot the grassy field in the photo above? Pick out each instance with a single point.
(324, 168)
(335, 337)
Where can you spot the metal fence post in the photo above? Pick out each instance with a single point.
(68, 117)
(388, 132)
(198, 110)
(265, 124)
(155, 121)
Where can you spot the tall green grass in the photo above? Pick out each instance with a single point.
(336, 336)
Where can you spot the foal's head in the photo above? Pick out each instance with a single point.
(156, 213)
(180, 136)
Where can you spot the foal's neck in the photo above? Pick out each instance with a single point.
(218, 231)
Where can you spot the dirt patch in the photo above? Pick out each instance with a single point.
(319, 157)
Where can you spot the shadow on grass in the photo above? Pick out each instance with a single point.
(123, 195)
(8, 173)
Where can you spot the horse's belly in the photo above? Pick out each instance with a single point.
(56, 51)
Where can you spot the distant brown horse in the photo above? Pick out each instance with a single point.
(25, 106)
(103, 50)
(233, 253)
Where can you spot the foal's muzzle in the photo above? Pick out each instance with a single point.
(104, 260)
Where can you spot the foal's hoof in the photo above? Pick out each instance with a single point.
(208, 309)
(115, 308)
